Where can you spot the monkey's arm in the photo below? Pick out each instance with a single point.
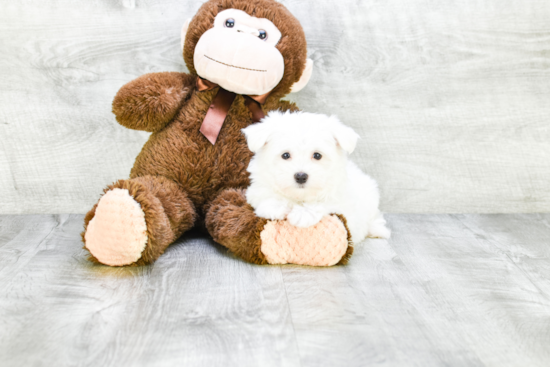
(152, 100)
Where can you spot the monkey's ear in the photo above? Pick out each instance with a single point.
(184, 31)
(306, 75)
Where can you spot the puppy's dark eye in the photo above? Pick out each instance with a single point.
(285, 155)
(317, 156)
(230, 23)
(263, 34)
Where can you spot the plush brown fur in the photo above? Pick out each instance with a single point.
(231, 221)
(168, 212)
(180, 179)
(344, 260)
(152, 100)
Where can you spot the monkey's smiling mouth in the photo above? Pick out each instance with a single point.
(233, 66)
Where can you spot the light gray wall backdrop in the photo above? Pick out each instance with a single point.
(452, 98)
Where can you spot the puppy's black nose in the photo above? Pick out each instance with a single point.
(300, 177)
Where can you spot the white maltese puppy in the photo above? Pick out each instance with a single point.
(301, 172)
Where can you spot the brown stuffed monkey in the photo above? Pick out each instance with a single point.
(243, 56)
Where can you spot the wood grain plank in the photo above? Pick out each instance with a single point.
(447, 99)
(195, 306)
(21, 238)
(450, 99)
(438, 293)
(522, 238)
(445, 290)
(59, 138)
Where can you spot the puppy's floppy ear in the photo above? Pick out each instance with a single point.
(257, 135)
(345, 136)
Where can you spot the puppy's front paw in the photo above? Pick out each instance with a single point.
(272, 209)
(304, 217)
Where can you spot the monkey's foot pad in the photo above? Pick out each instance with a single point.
(117, 235)
(323, 244)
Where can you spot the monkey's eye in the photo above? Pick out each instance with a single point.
(263, 34)
(230, 23)
(317, 156)
(285, 155)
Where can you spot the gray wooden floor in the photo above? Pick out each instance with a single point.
(459, 290)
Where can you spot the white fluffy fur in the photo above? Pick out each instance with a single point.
(334, 184)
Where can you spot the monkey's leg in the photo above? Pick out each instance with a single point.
(231, 222)
(135, 220)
